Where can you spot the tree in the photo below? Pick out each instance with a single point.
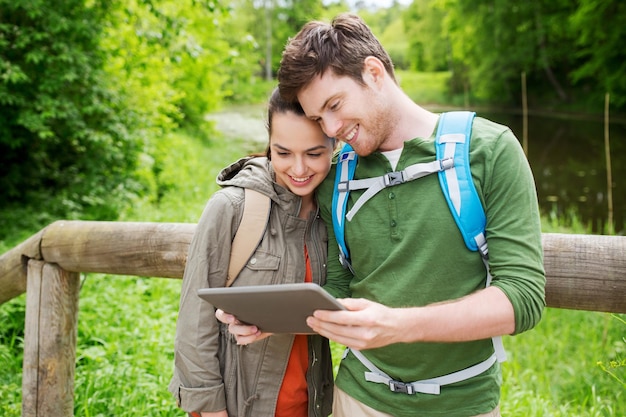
(63, 136)
(601, 35)
(88, 91)
(429, 47)
(494, 41)
(271, 23)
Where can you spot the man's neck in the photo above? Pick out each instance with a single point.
(412, 121)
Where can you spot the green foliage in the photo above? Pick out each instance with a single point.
(552, 369)
(389, 28)
(429, 47)
(425, 87)
(175, 58)
(11, 356)
(563, 46)
(567, 222)
(187, 171)
(601, 51)
(88, 91)
(615, 366)
(270, 23)
(125, 334)
(64, 140)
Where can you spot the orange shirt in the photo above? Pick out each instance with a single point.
(293, 398)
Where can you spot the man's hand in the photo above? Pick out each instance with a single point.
(365, 325)
(244, 333)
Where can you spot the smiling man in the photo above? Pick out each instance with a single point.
(424, 315)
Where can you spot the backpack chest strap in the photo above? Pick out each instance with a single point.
(375, 184)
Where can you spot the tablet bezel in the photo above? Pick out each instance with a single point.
(280, 308)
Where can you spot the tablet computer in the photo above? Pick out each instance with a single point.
(280, 308)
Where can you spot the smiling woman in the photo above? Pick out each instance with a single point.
(271, 377)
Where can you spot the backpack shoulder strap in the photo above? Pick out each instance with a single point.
(453, 141)
(346, 165)
(250, 232)
(453, 167)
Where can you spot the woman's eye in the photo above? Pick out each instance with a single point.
(315, 155)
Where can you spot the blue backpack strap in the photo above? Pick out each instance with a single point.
(453, 140)
(346, 165)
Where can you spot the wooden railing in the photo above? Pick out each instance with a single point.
(584, 272)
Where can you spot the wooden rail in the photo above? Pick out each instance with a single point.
(584, 272)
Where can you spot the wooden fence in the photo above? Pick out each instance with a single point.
(584, 272)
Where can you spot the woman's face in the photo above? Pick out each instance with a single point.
(300, 153)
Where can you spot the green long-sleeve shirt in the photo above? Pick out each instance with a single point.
(406, 250)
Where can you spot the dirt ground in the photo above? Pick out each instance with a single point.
(242, 122)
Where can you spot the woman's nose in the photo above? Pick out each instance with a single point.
(299, 166)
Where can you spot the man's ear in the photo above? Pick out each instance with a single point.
(373, 70)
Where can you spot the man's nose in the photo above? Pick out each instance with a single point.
(331, 126)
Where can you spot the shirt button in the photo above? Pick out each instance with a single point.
(253, 261)
(392, 223)
(392, 196)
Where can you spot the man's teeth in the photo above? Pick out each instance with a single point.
(350, 135)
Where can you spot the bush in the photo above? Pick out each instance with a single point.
(64, 132)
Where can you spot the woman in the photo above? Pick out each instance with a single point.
(284, 374)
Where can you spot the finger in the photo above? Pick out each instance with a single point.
(224, 317)
(355, 304)
(329, 328)
(239, 329)
(246, 340)
(344, 335)
(341, 317)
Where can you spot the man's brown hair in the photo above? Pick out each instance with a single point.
(341, 46)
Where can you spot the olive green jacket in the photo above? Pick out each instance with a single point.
(211, 371)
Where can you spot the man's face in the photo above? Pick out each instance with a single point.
(348, 111)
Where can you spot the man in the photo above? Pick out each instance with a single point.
(419, 307)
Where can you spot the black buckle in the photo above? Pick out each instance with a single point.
(403, 387)
(393, 178)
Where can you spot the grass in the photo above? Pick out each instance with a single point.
(563, 368)
(424, 87)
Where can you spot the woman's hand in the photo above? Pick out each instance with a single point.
(244, 333)
(216, 414)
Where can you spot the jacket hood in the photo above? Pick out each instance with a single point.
(256, 173)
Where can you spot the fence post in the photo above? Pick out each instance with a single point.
(49, 340)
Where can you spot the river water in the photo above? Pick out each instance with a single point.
(568, 159)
